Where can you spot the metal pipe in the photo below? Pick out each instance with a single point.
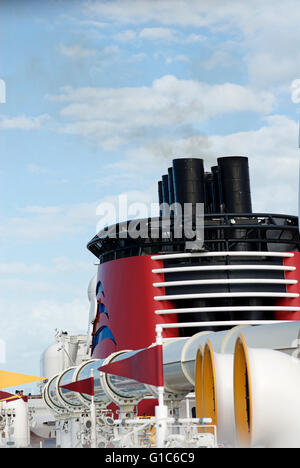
(188, 178)
(214, 387)
(160, 197)
(181, 369)
(171, 186)
(217, 398)
(235, 184)
(266, 397)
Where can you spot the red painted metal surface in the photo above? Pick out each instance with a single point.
(290, 288)
(145, 366)
(128, 320)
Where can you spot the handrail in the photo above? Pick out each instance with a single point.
(221, 232)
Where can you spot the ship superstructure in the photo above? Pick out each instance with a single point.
(244, 270)
(214, 287)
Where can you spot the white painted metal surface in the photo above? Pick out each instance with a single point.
(274, 399)
(222, 254)
(186, 310)
(174, 297)
(167, 284)
(223, 268)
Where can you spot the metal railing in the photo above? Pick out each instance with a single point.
(229, 232)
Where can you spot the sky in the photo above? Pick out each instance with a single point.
(100, 96)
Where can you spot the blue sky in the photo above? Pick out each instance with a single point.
(100, 97)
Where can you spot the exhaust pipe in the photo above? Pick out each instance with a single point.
(266, 397)
(214, 386)
(242, 388)
(171, 186)
(217, 375)
(235, 184)
(217, 187)
(160, 197)
(180, 361)
(281, 336)
(165, 195)
(199, 383)
(188, 179)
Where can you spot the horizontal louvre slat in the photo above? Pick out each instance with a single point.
(219, 323)
(222, 295)
(222, 254)
(225, 309)
(223, 268)
(223, 281)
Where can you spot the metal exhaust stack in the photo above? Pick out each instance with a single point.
(217, 187)
(235, 184)
(214, 381)
(210, 193)
(236, 193)
(217, 393)
(189, 188)
(160, 197)
(188, 178)
(171, 186)
(242, 391)
(199, 383)
(165, 194)
(266, 397)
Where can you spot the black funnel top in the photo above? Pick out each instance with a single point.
(160, 192)
(235, 184)
(188, 177)
(217, 184)
(160, 197)
(210, 195)
(165, 188)
(171, 186)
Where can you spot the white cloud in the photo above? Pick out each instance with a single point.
(41, 297)
(114, 117)
(2, 92)
(268, 36)
(44, 224)
(57, 265)
(44, 316)
(43, 210)
(247, 16)
(193, 38)
(19, 268)
(69, 314)
(218, 58)
(158, 34)
(273, 156)
(274, 162)
(128, 205)
(22, 122)
(267, 31)
(125, 36)
(138, 57)
(177, 58)
(166, 12)
(76, 51)
(89, 23)
(99, 55)
(49, 223)
(269, 68)
(169, 35)
(37, 169)
(66, 265)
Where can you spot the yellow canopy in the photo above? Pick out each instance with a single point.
(12, 379)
